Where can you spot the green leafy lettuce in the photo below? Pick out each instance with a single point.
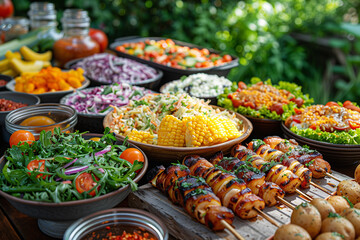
(337, 137)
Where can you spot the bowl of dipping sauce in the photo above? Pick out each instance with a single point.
(46, 116)
(117, 222)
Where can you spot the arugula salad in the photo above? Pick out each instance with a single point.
(262, 99)
(62, 167)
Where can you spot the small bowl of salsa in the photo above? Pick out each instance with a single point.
(4, 79)
(45, 116)
(10, 101)
(118, 223)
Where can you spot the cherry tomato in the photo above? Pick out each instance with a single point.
(249, 104)
(330, 104)
(205, 51)
(6, 8)
(21, 136)
(298, 101)
(313, 127)
(242, 85)
(353, 124)
(198, 65)
(84, 182)
(227, 58)
(298, 111)
(120, 48)
(99, 37)
(278, 108)
(132, 154)
(351, 106)
(34, 165)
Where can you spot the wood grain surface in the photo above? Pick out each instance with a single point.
(182, 226)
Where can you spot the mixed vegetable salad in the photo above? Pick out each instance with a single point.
(168, 53)
(199, 85)
(63, 167)
(334, 122)
(170, 114)
(100, 99)
(108, 68)
(264, 100)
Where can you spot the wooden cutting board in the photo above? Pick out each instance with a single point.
(182, 226)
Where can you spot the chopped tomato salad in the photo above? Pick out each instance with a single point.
(168, 53)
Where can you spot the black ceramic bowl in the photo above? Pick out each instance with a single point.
(152, 84)
(16, 97)
(55, 218)
(7, 78)
(264, 127)
(171, 73)
(340, 155)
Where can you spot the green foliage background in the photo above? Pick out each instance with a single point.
(261, 33)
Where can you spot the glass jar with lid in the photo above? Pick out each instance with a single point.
(76, 42)
(13, 27)
(43, 16)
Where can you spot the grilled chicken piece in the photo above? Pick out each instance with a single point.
(311, 158)
(224, 186)
(293, 165)
(289, 182)
(193, 194)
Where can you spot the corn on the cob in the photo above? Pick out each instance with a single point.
(171, 132)
(230, 128)
(196, 130)
(141, 136)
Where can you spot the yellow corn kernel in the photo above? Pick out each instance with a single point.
(141, 136)
(196, 130)
(171, 132)
(216, 132)
(231, 130)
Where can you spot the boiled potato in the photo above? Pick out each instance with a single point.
(308, 217)
(323, 206)
(340, 225)
(353, 215)
(291, 231)
(357, 206)
(349, 189)
(339, 203)
(357, 174)
(330, 236)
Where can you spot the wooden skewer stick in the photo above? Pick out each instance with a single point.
(267, 217)
(303, 194)
(332, 176)
(286, 203)
(232, 230)
(321, 188)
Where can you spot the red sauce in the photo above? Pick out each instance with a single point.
(8, 105)
(2, 82)
(67, 49)
(120, 233)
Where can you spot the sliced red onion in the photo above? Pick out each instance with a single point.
(70, 163)
(73, 170)
(102, 152)
(58, 179)
(101, 170)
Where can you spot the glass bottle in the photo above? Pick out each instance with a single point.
(76, 42)
(43, 15)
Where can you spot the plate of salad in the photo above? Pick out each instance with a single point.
(334, 128)
(174, 57)
(65, 176)
(265, 104)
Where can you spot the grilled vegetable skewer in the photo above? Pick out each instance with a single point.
(232, 191)
(193, 194)
(311, 158)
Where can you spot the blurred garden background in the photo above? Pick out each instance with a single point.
(315, 43)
